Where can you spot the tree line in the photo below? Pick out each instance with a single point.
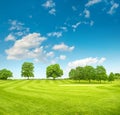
(90, 73)
(54, 71)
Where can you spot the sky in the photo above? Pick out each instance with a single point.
(68, 32)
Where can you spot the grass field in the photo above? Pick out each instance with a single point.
(58, 97)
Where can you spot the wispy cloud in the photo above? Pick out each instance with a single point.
(50, 54)
(10, 37)
(87, 13)
(91, 23)
(55, 34)
(18, 28)
(64, 28)
(62, 57)
(50, 5)
(92, 2)
(52, 11)
(74, 8)
(113, 8)
(75, 26)
(63, 47)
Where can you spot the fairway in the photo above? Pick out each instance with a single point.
(58, 97)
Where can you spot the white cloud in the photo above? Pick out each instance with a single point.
(101, 60)
(91, 23)
(10, 37)
(63, 47)
(92, 2)
(113, 7)
(50, 54)
(64, 28)
(17, 28)
(55, 34)
(75, 26)
(52, 11)
(27, 47)
(87, 13)
(62, 57)
(74, 8)
(49, 4)
(86, 61)
(15, 25)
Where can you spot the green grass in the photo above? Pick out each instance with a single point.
(58, 97)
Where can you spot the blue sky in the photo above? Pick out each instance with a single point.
(69, 32)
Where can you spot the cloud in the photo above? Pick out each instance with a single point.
(86, 61)
(91, 23)
(17, 28)
(15, 25)
(62, 57)
(113, 8)
(55, 34)
(63, 47)
(10, 37)
(64, 28)
(52, 11)
(87, 13)
(74, 8)
(27, 47)
(101, 60)
(75, 26)
(50, 54)
(92, 2)
(50, 5)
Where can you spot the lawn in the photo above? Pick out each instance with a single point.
(58, 97)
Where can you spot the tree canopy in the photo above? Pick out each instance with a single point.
(111, 77)
(5, 74)
(54, 71)
(88, 73)
(27, 70)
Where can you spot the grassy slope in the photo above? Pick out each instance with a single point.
(59, 97)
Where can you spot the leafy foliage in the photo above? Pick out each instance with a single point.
(5, 74)
(88, 73)
(111, 77)
(101, 73)
(27, 70)
(54, 71)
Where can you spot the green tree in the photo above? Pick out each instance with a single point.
(27, 70)
(101, 73)
(117, 76)
(80, 73)
(5, 74)
(54, 71)
(111, 77)
(89, 73)
(72, 74)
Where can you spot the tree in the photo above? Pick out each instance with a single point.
(101, 73)
(72, 74)
(54, 71)
(117, 76)
(80, 73)
(27, 70)
(89, 73)
(111, 77)
(5, 74)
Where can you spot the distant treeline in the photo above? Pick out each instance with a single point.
(54, 71)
